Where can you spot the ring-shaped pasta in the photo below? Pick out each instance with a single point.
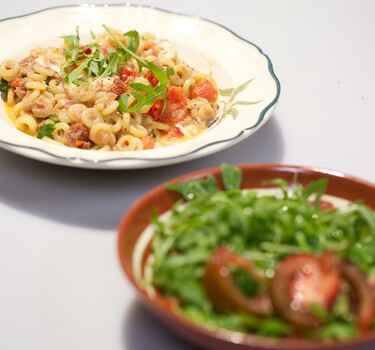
(129, 143)
(102, 135)
(167, 62)
(36, 76)
(82, 93)
(159, 126)
(75, 112)
(18, 107)
(151, 58)
(90, 117)
(36, 85)
(61, 96)
(114, 121)
(187, 85)
(11, 97)
(59, 133)
(27, 124)
(138, 130)
(42, 107)
(61, 113)
(110, 107)
(9, 69)
(125, 121)
(181, 73)
(56, 86)
(43, 70)
(136, 118)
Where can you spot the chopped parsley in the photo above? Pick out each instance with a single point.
(4, 87)
(47, 129)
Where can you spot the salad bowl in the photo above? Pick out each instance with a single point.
(135, 240)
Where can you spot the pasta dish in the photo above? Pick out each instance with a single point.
(119, 92)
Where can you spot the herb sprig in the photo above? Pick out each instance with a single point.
(87, 60)
(84, 61)
(145, 95)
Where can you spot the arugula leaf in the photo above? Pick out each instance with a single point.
(231, 176)
(71, 41)
(145, 95)
(318, 187)
(111, 67)
(133, 42)
(195, 188)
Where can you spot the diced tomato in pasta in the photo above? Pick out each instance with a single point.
(16, 82)
(175, 109)
(175, 133)
(124, 74)
(148, 142)
(205, 89)
(151, 78)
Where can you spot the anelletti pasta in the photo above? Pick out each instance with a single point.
(119, 92)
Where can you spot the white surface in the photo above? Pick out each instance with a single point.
(62, 287)
(241, 66)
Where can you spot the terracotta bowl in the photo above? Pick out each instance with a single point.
(132, 258)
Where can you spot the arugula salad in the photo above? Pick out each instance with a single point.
(288, 262)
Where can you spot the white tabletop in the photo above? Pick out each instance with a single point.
(62, 285)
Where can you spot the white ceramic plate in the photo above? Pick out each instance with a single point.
(205, 45)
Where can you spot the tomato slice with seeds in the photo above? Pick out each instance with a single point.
(222, 290)
(365, 301)
(301, 281)
(204, 88)
(175, 109)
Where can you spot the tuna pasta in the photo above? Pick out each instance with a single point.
(119, 92)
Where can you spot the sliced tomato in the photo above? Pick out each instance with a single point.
(175, 109)
(365, 301)
(302, 280)
(222, 290)
(204, 88)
